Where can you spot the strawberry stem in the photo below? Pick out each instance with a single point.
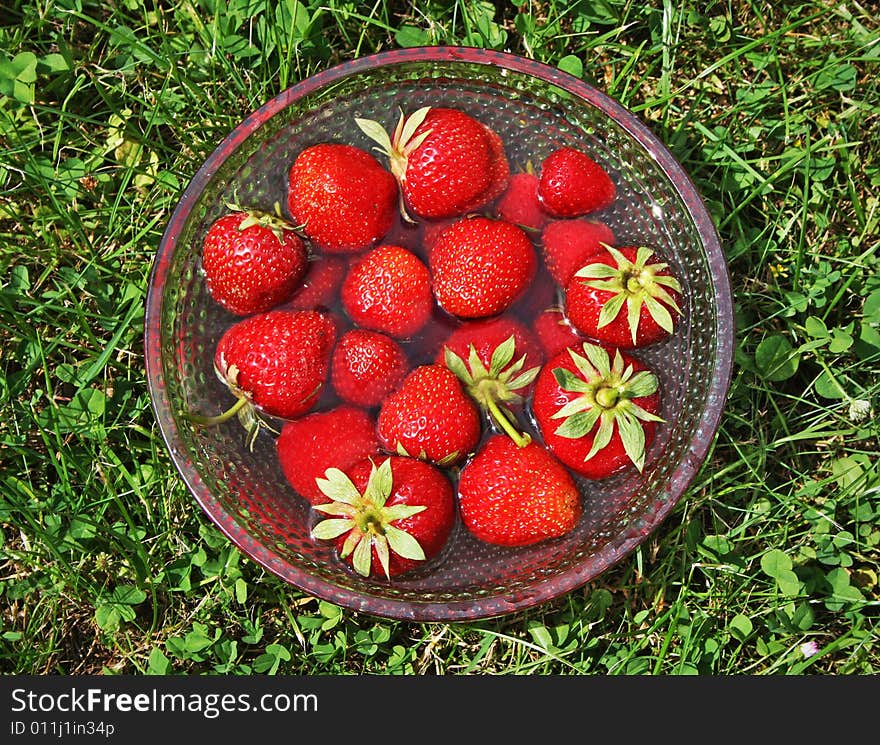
(500, 418)
(210, 421)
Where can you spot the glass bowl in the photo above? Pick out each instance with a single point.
(535, 108)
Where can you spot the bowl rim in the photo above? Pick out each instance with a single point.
(437, 610)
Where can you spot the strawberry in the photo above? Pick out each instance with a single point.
(446, 161)
(429, 416)
(567, 244)
(496, 361)
(573, 184)
(321, 284)
(275, 363)
(517, 496)
(480, 266)
(389, 290)
(366, 366)
(252, 261)
(597, 293)
(333, 438)
(342, 197)
(554, 332)
(596, 413)
(520, 205)
(386, 519)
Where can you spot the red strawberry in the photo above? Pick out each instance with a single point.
(597, 414)
(496, 361)
(367, 366)
(520, 204)
(389, 290)
(446, 161)
(252, 261)
(596, 295)
(335, 438)
(567, 244)
(387, 519)
(429, 416)
(554, 332)
(480, 266)
(517, 496)
(572, 184)
(321, 285)
(275, 363)
(342, 196)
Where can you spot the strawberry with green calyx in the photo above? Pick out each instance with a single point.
(430, 417)
(497, 361)
(517, 496)
(597, 413)
(446, 162)
(275, 364)
(343, 198)
(615, 279)
(386, 519)
(253, 261)
(308, 445)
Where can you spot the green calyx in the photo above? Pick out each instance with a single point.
(495, 388)
(366, 519)
(634, 284)
(606, 391)
(399, 146)
(274, 221)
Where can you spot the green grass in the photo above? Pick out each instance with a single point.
(107, 564)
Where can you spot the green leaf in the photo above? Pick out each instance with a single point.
(338, 487)
(776, 359)
(827, 386)
(403, 544)
(380, 543)
(412, 36)
(241, 591)
(127, 595)
(502, 356)
(643, 383)
(376, 132)
(107, 617)
(611, 309)
(740, 627)
(457, 366)
(380, 484)
(331, 528)
(598, 358)
(775, 562)
(158, 663)
(568, 381)
(580, 424)
(632, 435)
(572, 65)
(603, 436)
(402, 511)
(362, 557)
